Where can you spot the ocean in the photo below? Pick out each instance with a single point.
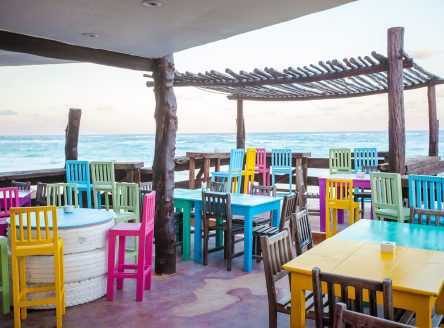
(42, 152)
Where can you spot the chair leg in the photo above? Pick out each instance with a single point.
(229, 249)
(88, 197)
(149, 259)
(58, 289)
(111, 266)
(121, 260)
(327, 222)
(80, 196)
(335, 222)
(16, 290)
(5, 275)
(290, 183)
(272, 318)
(62, 279)
(22, 268)
(140, 269)
(205, 243)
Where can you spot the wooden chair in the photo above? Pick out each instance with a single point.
(217, 206)
(339, 196)
(62, 194)
(40, 195)
(387, 197)
(301, 231)
(281, 165)
(303, 194)
(4, 273)
(426, 192)
(427, 217)
(248, 173)
(364, 158)
(216, 186)
(338, 287)
(234, 171)
(346, 318)
(339, 160)
(141, 270)
(42, 240)
(261, 166)
(21, 185)
(78, 172)
(103, 179)
(9, 197)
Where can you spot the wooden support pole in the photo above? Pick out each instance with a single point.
(72, 134)
(433, 122)
(163, 165)
(240, 131)
(396, 122)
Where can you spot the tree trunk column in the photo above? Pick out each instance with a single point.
(240, 131)
(395, 44)
(163, 165)
(433, 122)
(72, 134)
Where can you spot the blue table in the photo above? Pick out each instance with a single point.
(404, 234)
(241, 204)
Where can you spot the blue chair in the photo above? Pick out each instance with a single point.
(78, 172)
(363, 157)
(280, 165)
(234, 171)
(426, 192)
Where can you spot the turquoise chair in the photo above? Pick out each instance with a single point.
(426, 192)
(103, 180)
(339, 160)
(363, 157)
(78, 172)
(281, 165)
(234, 171)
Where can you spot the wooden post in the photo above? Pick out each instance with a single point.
(163, 165)
(396, 122)
(240, 131)
(72, 134)
(433, 122)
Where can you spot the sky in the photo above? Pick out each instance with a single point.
(117, 101)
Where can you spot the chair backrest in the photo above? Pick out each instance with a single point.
(301, 231)
(61, 194)
(276, 251)
(427, 217)
(250, 160)
(261, 158)
(339, 160)
(21, 185)
(102, 172)
(126, 198)
(44, 220)
(40, 194)
(289, 207)
(236, 160)
(386, 193)
(426, 192)
(300, 185)
(338, 288)
(145, 186)
(216, 206)
(281, 158)
(148, 212)
(339, 191)
(9, 197)
(346, 318)
(263, 190)
(364, 158)
(78, 172)
(216, 186)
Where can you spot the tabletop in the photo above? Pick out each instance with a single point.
(207, 154)
(79, 218)
(345, 176)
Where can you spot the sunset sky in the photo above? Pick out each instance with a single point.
(115, 101)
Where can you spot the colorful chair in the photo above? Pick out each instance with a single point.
(142, 269)
(26, 186)
(40, 194)
(248, 173)
(364, 158)
(62, 194)
(387, 197)
(303, 193)
(103, 179)
(261, 166)
(426, 192)
(281, 165)
(339, 196)
(42, 240)
(9, 197)
(4, 272)
(339, 160)
(234, 171)
(78, 172)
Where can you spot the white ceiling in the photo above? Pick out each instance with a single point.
(129, 27)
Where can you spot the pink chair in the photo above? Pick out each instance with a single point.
(261, 166)
(9, 197)
(142, 269)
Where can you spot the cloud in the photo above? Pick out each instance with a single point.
(104, 109)
(8, 112)
(423, 54)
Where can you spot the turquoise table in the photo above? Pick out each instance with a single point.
(241, 204)
(404, 234)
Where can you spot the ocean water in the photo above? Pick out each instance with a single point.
(42, 152)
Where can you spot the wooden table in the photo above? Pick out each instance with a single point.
(206, 157)
(132, 170)
(416, 268)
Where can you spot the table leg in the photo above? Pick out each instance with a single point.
(186, 233)
(248, 242)
(322, 204)
(423, 311)
(439, 306)
(297, 314)
(191, 173)
(276, 213)
(198, 232)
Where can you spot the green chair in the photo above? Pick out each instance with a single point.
(339, 160)
(62, 194)
(4, 288)
(387, 197)
(103, 179)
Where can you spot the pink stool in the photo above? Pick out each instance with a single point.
(261, 166)
(142, 269)
(9, 197)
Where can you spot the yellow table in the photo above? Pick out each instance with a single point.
(417, 274)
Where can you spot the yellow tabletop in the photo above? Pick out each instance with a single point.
(417, 274)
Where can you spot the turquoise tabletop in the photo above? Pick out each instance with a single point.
(80, 217)
(404, 234)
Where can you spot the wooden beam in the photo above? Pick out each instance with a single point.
(240, 124)
(15, 42)
(433, 122)
(163, 165)
(396, 124)
(72, 134)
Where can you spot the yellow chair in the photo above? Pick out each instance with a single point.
(36, 233)
(248, 173)
(339, 196)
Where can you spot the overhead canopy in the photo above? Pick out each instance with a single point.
(351, 77)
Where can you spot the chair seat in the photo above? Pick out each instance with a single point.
(283, 170)
(43, 249)
(84, 186)
(257, 220)
(126, 227)
(334, 204)
(264, 230)
(390, 213)
(226, 174)
(310, 195)
(103, 187)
